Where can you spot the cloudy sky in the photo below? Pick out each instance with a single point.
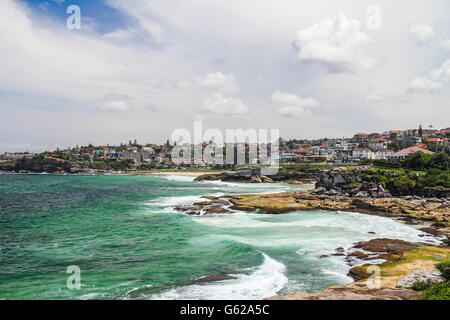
(141, 69)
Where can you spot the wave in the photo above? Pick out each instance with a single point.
(265, 281)
(178, 178)
(173, 201)
(314, 229)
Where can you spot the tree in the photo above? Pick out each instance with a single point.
(396, 145)
(418, 160)
(440, 160)
(420, 131)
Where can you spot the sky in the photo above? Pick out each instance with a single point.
(142, 69)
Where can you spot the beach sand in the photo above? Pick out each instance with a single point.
(176, 173)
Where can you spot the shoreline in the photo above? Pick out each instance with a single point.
(397, 264)
(117, 173)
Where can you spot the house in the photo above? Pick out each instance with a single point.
(411, 140)
(287, 157)
(383, 154)
(402, 154)
(360, 138)
(373, 136)
(394, 134)
(363, 153)
(378, 144)
(438, 141)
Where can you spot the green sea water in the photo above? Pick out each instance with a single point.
(129, 243)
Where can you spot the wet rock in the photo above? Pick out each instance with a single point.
(359, 272)
(432, 231)
(385, 245)
(201, 208)
(358, 254)
(215, 278)
(255, 180)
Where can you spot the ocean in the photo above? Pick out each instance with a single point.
(128, 242)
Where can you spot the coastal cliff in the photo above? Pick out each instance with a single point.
(39, 165)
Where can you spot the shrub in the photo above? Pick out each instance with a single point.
(418, 160)
(444, 268)
(440, 160)
(438, 291)
(421, 286)
(436, 178)
(404, 185)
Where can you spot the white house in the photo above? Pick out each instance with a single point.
(363, 153)
(383, 154)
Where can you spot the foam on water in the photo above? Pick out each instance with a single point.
(307, 228)
(265, 281)
(173, 201)
(178, 178)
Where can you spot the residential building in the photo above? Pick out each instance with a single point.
(383, 154)
(402, 154)
(363, 153)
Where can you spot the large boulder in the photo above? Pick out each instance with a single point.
(420, 276)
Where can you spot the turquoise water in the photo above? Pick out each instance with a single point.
(128, 242)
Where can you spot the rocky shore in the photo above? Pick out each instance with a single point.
(254, 175)
(400, 262)
(403, 265)
(433, 213)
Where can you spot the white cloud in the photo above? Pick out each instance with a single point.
(113, 102)
(445, 44)
(376, 97)
(218, 81)
(291, 105)
(421, 32)
(424, 85)
(120, 35)
(338, 43)
(225, 106)
(443, 72)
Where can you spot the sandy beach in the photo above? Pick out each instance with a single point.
(178, 173)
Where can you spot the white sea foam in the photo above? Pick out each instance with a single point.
(315, 229)
(173, 201)
(265, 281)
(178, 178)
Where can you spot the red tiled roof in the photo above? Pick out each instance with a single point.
(410, 150)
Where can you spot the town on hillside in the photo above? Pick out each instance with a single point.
(394, 145)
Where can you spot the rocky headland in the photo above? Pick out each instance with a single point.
(402, 264)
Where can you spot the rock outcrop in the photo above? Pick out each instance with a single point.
(382, 287)
(353, 291)
(254, 175)
(420, 276)
(39, 165)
